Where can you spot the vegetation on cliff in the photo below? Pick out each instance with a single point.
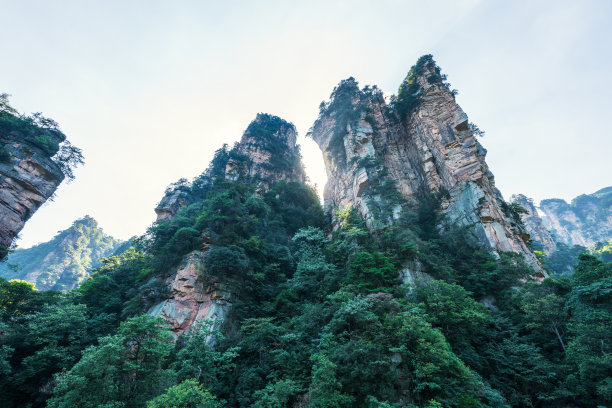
(410, 90)
(584, 221)
(575, 228)
(35, 158)
(40, 132)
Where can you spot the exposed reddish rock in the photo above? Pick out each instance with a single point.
(28, 177)
(194, 295)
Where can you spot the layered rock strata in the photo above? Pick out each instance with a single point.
(28, 177)
(369, 148)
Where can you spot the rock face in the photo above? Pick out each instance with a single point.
(176, 196)
(373, 153)
(266, 154)
(195, 295)
(269, 146)
(28, 178)
(534, 224)
(586, 220)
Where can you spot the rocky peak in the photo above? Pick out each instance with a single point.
(378, 154)
(267, 152)
(177, 195)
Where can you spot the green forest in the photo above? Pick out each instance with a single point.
(64, 261)
(323, 318)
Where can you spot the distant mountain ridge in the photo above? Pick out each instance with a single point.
(585, 221)
(64, 261)
(563, 231)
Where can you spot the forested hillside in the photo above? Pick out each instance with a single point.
(65, 261)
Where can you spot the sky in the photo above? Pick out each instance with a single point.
(150, 89)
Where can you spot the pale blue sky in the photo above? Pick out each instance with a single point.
(149, 89)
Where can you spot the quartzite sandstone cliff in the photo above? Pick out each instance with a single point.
(267, 154)
(28, 178)
(366, 144)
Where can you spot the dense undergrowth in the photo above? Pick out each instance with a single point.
(322, 321)
(322, 317)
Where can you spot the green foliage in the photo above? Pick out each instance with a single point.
(476, 130)
(42, 333)
(562, 261)
(543, 307)
(64, 261)
(409, 93)
(325, 389)
(199, 360)
(372, 271)
(113, 290)
(589, 352)
(38, 132)
(67, 158)
(277, 395)
(5, 155)
(319, 316)
(371, 338)
(265, 132)
(347, 103)
(13, 295)
(449, 307)
(603, 250)
(188, 394)
(125, 369)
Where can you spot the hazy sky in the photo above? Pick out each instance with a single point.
(150, 89)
